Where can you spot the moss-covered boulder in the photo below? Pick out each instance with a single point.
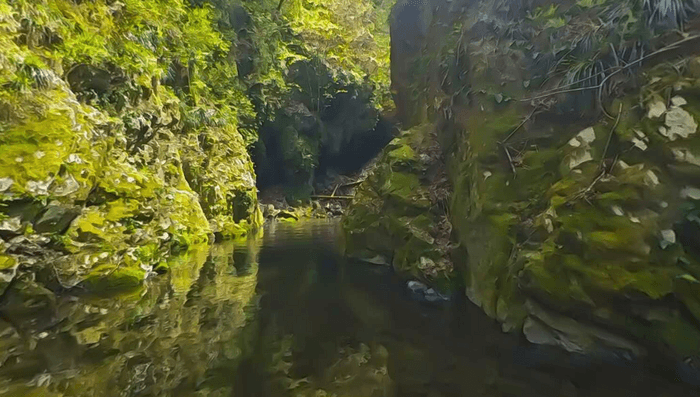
(398, 214)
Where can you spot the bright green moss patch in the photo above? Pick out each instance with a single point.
(7, 262)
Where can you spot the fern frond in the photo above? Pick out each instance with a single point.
(669, 13)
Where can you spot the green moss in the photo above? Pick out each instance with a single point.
(7, 262)
(392, 219)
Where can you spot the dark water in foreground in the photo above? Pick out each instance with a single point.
(285, 315)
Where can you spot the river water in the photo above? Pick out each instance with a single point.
(284, 314)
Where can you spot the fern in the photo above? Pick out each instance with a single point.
(669, 13)
(604, 37)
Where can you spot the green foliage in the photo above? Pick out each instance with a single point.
(351, 36)
(591, 39)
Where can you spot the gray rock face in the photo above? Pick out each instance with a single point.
(547, 328)
(56, 219)
(10, 228)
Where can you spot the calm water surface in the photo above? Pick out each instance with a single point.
(285, 315)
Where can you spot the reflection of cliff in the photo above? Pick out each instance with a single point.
(187, 334)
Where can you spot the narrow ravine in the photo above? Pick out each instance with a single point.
(285, 314)
(350, 198)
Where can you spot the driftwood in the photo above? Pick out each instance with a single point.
(351, 184)
(324, 197)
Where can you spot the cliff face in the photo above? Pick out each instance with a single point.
(570, 137)
(127, 126)
(119, 140)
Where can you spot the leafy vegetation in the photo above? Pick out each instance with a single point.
(312, 68)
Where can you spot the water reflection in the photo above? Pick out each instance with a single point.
(330, 328)
(285, 315)
(172, 337)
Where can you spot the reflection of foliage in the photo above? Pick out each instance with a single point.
(360, 371)
(189, 334)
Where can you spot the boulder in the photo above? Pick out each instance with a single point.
(56, 219)
(11, 227)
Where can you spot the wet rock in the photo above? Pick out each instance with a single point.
(269, 211)
(56, 219)
(423, 292)
(11, 227)
(335, 209)
(286, 214)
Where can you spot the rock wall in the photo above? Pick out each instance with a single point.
(119, 141)
(571, 152)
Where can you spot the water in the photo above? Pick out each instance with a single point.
(286, 315)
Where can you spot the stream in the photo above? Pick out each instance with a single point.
(284, 314)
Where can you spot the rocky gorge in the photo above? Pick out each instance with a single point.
(539, 158)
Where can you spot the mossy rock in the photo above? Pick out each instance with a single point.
(7, 262)
(109, 278)
(392, 219)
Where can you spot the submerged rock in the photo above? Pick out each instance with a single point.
(425, 293)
